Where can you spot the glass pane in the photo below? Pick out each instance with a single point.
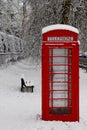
(60, 52)
(60, 60)
(59, 103)
(60, 110)
(60, 94)
(60, 86)
(60, 77)
(59, 69)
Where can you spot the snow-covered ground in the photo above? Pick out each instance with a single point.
(19, 111)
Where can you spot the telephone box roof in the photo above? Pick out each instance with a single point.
(59, 27)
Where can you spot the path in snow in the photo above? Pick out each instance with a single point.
(18, 111)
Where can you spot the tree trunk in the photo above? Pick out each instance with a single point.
(23, 20)
(66, 12)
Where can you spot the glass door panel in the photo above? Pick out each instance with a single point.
(60, 81)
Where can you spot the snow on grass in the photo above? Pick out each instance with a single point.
(19, 111)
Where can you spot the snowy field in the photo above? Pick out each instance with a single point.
(19, 111)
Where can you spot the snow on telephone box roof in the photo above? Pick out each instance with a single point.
(59, 27)
(60, 32)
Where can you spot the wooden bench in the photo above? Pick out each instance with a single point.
(25, 87)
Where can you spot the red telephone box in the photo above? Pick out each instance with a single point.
(60, 73)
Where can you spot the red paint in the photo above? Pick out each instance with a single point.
(60, 33)
(60, 77)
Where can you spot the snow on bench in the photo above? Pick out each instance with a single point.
(26, 86)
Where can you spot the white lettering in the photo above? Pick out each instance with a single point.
(60, 38)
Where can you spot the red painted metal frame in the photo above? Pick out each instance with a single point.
(74, 116)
